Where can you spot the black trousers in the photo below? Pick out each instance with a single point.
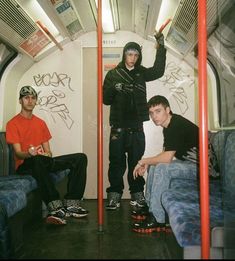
(40, 166)
(126, 146)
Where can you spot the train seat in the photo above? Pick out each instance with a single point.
(19, 196)
(182, 206)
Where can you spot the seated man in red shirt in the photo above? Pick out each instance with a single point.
(30, 137)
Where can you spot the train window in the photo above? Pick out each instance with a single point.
(221, 54)
(7, 54)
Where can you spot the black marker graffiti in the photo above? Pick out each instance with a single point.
(50, 104)
(54, 79)
(176, 78)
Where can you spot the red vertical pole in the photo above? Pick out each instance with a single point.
(203, 130)
(100, 119)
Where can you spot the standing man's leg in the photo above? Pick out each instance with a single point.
(135, 147)
(117, 167)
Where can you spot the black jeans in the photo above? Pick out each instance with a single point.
(126, 145)
(40, 166)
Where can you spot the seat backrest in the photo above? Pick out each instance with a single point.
(218, 141)
(4, 155)
(229, 163)
(7, 162)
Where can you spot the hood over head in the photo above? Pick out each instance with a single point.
(132, 46)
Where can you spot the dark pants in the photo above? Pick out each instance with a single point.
(125, 146)
(40, 167)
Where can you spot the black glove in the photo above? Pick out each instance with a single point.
(159, 38)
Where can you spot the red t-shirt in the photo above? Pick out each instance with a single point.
(26, 132)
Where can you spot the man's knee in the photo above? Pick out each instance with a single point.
(162, 166)
(82, 157)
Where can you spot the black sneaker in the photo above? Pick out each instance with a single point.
(140, 213)
(56, 217)
(112, 205)
(148, 225)
(138, 200)
(76, 211)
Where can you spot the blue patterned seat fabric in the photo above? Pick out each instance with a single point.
(25, 183)
(13, 200)
(181, 200)
(14, 188)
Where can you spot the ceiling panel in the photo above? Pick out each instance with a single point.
(87, 14)
(125, 13)
(141, 16)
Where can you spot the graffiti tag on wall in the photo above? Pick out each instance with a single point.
(176, 79)
(54, 102)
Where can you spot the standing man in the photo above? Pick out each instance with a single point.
(181, 138)
(124, 89)
(30, 137)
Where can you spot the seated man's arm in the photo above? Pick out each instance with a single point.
(19, 153)
(163, 157)
(47, 149)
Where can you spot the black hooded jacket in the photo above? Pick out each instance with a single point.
(125, 90)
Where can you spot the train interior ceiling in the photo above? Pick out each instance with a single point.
(52, 46)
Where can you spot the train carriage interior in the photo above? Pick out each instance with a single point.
(52, 45)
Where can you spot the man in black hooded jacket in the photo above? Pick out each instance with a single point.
(124, 89)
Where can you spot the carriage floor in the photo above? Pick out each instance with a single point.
(81, 238)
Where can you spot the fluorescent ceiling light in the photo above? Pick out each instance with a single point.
(36, 12)
(107, 17)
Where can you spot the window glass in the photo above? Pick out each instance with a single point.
(6, 55)
(221, 53)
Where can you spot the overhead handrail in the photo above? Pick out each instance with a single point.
(45, 30)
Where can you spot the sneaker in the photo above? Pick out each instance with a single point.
(56, 217)
(112, 205)
(138, 200)
(140, 213)
(148, 225)
(113, 200)
(77, 212)
(74, 209)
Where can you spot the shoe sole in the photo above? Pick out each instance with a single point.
(76, 215)
(148, 230)
(168, 229)
(113, 208)
(55, 221)
(139, 217)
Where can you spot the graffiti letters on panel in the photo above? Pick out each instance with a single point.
(176, 79)
(54, 102)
